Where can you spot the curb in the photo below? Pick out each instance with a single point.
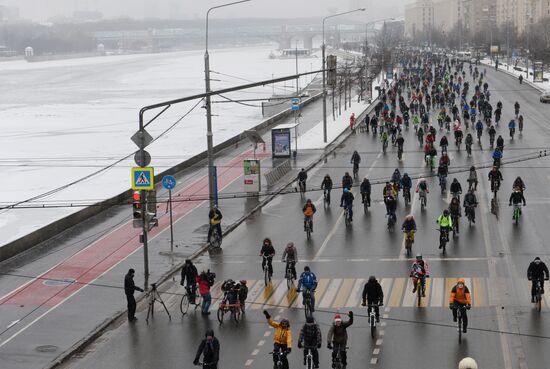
(118, 316)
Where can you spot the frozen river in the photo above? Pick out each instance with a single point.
(64, 120)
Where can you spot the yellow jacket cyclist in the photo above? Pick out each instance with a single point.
(281, 340)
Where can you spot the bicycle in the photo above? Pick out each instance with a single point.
(392, 218)
(419, 289)
(459, 319)
(309, 358)
(233, 309)
(384, 146)
(538, 294)
(469, 149)
(443, 238)
(309, 227)
(399, 153)
(423, 199)
(454, 218)
(407, 195)
(302, 186)
(215, 239)
(372, 318)
(469, 210)
(185, 301)
(308, 310)
(517, 213)
(495, 186)
(289, 276)
(443, 183)
(409, 240)
(337, 361)
(326, 197)
(347, 218)
(492, 141)
(280, 357)
(265, 267)
(355, 170)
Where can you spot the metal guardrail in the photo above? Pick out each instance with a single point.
(278, 172)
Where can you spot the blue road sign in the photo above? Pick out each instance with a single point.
(295, 104)
(143, 179)
(169, 182)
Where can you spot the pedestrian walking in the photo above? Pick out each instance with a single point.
(129, 289)
(209, 348)
(352, 122)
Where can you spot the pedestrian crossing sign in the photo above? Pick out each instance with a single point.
(143, 179)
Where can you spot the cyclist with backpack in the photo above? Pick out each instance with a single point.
(308, 280)
(311, 339)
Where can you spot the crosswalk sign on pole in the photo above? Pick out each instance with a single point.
(143, 179)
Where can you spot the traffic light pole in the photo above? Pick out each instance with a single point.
(145, 230)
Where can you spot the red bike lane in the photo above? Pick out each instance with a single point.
(82, 268)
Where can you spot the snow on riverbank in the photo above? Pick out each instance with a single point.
(62, 120)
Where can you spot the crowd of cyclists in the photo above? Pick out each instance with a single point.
(460, 97)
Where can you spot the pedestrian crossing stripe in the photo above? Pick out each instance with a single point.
(143, 179)
(340, 293)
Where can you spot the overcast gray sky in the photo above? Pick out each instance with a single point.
(42, 9)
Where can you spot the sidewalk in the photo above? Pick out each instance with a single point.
(509, 69)
(69, 290)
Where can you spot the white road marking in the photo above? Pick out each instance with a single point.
(376, 351)
(255, 352)
(248, 362)
(261, 343)
(373, 361)
(267, 334)
(381, 333)
(355, 295)
(379, 341)
(13, 323)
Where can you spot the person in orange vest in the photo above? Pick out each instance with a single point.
(460, 299)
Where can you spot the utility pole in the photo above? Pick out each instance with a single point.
(212, 186)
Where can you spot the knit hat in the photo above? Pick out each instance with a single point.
(337, 318)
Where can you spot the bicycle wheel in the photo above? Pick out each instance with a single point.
(538, 302)
(266, 275)
(372, 326)
(309, 361)
(419, 293)
(307, 309)
(216, 240)
(184, 304)
(221, 313)
(459, 324)
(289, 282)
(308, 232)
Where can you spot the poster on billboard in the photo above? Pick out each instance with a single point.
(252, 178)
(280, 140)
(538, 75)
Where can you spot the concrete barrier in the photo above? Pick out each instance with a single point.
(59, 226)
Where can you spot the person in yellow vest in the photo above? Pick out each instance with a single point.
(215, 217)
(281, 340)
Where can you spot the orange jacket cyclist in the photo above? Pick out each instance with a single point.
(308, 210)
(460, 299)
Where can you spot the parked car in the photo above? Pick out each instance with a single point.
(545, 96)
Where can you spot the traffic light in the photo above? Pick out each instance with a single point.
(136, 208)
(331, 72)
(151, 213)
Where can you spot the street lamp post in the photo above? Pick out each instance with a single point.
(323, 47)
(208, 105)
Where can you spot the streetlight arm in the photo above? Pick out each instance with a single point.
(217, 7)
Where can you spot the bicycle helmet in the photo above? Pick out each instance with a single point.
(419, 257)
(285, 323)
(467, 363)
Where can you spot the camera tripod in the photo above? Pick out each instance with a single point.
(154, 295)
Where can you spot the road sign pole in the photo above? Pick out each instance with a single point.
(171, 224)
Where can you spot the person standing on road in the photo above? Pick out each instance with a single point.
(337, 338)
(189, 279)
(537, 271)
(352, 122)
(311, 339)
(215, 217)
(209, 348)
(205, 281)
(129, 289)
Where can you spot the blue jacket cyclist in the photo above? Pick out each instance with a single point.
(308, 281)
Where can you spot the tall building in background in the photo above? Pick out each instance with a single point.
(419, 18)
(482, 15)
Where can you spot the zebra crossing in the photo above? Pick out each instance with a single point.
(335, 293)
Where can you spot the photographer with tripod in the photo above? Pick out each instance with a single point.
(129, 289)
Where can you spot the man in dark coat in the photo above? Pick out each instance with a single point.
(129, 289)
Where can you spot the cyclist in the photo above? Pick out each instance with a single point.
(308, 210)
(537, 271)
(442, 172)
(415, 121)
(290, 256)
(347, 181)
(308, 280)
(281, 340)
(469, 141)
(518, 183)
(346, 202)
(337, 338)
(458, 136)
(422, 186)
(400, 141)
(420, 135)
(520, 123)
(406, 184)
(445, 224)
(444, 160)
(267, 252)
(215, 216)
(326, 186)
(419, 270)
(373, 295)
(460, 298)
(355, 160)
(443, 143)
(469, 203)
(516, 198)
(389, 190)
(409, 225)
(365, 191)
(516, 108)
(454, 209)
(495, 176)
(479, 129)
(302, 178)
(242, 292)
(391, 205)
(492, 134)
(384, 138)
(311, 339)
(209, 348)
(189, 276)
(500, 143)
(497, 157)
(456, 188)
(512, 128)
